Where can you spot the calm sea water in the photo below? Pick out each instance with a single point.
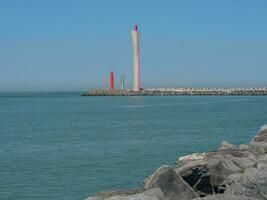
(63, 146)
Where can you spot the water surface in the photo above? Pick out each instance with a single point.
(63, 146)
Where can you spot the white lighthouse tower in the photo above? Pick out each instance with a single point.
(136, 57)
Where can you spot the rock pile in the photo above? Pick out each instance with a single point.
(228, 173)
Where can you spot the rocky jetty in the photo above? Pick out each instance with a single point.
(228, 173)
(180, 92)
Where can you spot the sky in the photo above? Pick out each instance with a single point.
(72, 45)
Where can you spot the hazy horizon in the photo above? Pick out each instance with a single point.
(73, 45)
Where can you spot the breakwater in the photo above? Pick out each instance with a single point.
(180, 92)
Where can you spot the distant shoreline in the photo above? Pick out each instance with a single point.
(180, 92)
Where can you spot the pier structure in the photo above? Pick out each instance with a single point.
(138, 91)
(136, 58)
(262, 91)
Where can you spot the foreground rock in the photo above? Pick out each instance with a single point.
(170, 183)
(206, 174)
(258, 145)
(197, 175)
(164, 184)
(225, 197)
(152, 194)
(230, 172)
(253, 181)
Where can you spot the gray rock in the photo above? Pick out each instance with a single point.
(251, 183)
(196, 174)
(225, 197)
(258, 148)
(227, 145)
(262, 159)
(170, 183)
(258, 145)
(151, 194)
(232, 185)
(111, 193)
(93, 198)
(254, 181)
(262, 135)
(223, 163)
(244, 147)
(164, 184)
(190, 158)
(211, 169)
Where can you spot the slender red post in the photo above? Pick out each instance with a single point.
(111, 81)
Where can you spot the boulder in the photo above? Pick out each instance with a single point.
(223, 163)
(225, 197)
(262, 135)
(111, 193)
(258, 145)
(206, 173)
(254, 181)
(164, 184)
(244, 147)
(170, 183)
(189, 158)
(232, 185)
(151, 194)
(227, 145)
(196, 174)
(251, 183)
(262, 159)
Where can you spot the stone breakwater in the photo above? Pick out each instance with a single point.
(229, 173)
(180, 92)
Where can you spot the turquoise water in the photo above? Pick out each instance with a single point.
(63, 146)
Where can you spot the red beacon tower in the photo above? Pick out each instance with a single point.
(111, 81)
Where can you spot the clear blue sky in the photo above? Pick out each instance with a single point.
(53, 45)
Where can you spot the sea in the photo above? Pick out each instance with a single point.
(60, 145)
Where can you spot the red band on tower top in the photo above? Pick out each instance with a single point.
(136, 27)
